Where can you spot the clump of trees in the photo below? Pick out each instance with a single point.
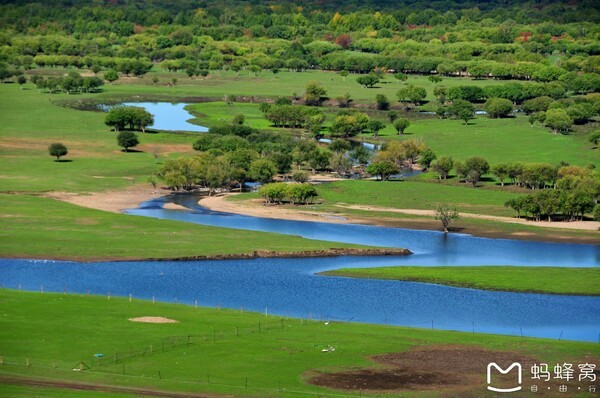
(72, 83)
(133, 117)
(295, 193)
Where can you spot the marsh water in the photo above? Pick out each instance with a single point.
(291, 287)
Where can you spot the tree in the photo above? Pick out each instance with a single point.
(501, 172)
(462, 110)
(401, 125)
(411, 93)
(21, 80)
(360, 155)
(382, 169)
(375, 126)
(558, 120)
(392, 115)
(155, 80)
(434, 79)
(382, 102)
(476, 167)
(345, 126)
(127, 139)
(427, 156)
(57, 150)
(446, 214)
(314, 93)
(111, 76)
(498, 107)
(339, 145)
(340, 163)
(262, 170)
(400, 77)
(368, 81)
(442, 166)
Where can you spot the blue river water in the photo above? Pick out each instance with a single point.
(289, 287)
(169, 116)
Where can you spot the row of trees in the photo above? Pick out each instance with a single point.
(556, 204)
(73, 83)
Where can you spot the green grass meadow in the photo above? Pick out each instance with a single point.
(573, 281)
(36, 227)
(225, 350)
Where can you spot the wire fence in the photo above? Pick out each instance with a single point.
(130, 362)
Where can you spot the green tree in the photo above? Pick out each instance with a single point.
(382, 169)
(427, 156)
(262, 170)
(315, 93)
(501, 172)
(382, 102)
(57, 150)
(111, 76)
(442, 166)
(498, 107)
(368, 81)
(127, 139)
(476, 167)
(376, 126)
(21, 80)
(401, 125)
(446, 214)
(558, 120)
(463, 110)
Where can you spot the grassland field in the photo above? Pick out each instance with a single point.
(32, 120)
(226, 350)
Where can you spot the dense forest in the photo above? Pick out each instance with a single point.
(483, 39)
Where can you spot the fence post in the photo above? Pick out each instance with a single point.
(27, 363)
(1, 360)
(258, 326)
(159, 375)
(188, 341)
(237, 332)
(54, 363)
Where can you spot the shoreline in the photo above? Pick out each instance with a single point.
(253, 208)
(116, 201)
(333, 252)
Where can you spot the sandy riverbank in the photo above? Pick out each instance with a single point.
(257, 209)
(113, 201)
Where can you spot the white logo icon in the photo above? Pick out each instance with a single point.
(504, 371)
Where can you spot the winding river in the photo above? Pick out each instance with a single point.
(289, 287)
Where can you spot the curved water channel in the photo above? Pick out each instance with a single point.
(289, 287)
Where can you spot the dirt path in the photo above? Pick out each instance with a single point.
(580, 225)
(257, 209)
(79, 386)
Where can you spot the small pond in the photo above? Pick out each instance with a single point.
(167, 116)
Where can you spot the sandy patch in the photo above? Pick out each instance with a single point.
(153, 319)
(256, 208)
(113, 201)
(173, 206)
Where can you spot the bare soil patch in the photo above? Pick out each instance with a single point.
(153, 319)
(453, 369)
